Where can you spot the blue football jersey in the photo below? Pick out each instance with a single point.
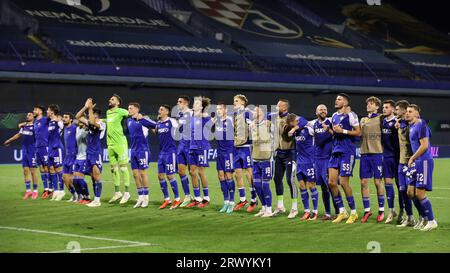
(323, 139)
(200, 128)
(389, 138)
(70, 139)
(94, 137)
(184, 121)
(138, 132)
(165, 130)
(417, 131)
(54, 134)
(224, 134)
(41, 131)
(28, 140)
(343, 143)
(304, 145)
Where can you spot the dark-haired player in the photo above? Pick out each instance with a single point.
(224, 136)
(117, 148)
(167, 158)
(340, 168)
(29, 165)
(405, 153)
(71, 149)
(304, 149)
(421, 166)
(55, 151)
(40, 127)
(198, 150)
(391, 151)
(138, 127)
(96, 131)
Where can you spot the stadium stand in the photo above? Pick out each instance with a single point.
(391, 31)
(262, 37)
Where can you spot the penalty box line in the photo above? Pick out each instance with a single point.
(64, 234)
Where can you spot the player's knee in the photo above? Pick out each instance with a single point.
(420, 194)
(193, 171)
(410, 193)
(123, 168)
(221, 176)
(229, 176)
(114, 169)
(161, 176)
(136, 175)
(96, 176)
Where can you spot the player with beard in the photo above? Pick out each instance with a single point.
(340, 167)
(71, 149)
(117, 148)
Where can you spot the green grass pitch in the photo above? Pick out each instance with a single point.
(44, 226)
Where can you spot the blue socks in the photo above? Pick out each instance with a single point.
(225, 192)
(351, 202)
(28, 185)
(53, 181)
(366, 203)
(84, 187)
(98, 188)
(326, 198)
(185, 184)
(427, 209)
(408, 202)
(44, 177)
(338, 201)
(315, 198)
(60, 181)
(381, 202)
(231, 189)
(267, 193)
(164, 189)
(253, 194)
(305, 199)
(174, 185)
(418, 206)
(390, 195)
(206, 193)
(259, 191)
(242, 193)
(197, 192)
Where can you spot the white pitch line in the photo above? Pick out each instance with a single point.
(76, 236)
(94, 248)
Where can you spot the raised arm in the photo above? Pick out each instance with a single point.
(80, 115)
(92, 117)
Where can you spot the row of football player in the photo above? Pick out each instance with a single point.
(319, 152)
